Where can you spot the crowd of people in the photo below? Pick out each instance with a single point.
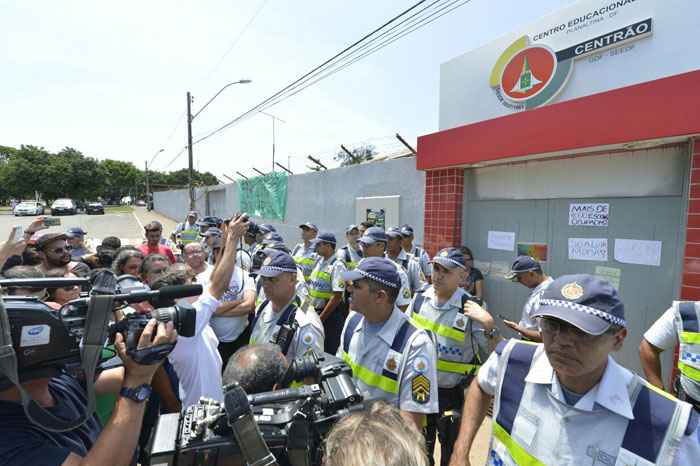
(422, 344)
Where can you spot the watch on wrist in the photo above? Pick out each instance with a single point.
(492, 333)
(138, 394)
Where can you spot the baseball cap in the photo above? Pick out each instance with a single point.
(349, 228)
(393, 233)
(325, 237)
(583, 301)
(522, 264)
(373, 235)
(450, 258)
(379, 269)
(213, 231)
(75, 231)
(277, 262)
(272, 237)
(266, 228)
(192, 213)
(111, 243)
(47, 238)
(406, 230)
(309, 225)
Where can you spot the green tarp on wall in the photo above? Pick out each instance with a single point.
(264, 196)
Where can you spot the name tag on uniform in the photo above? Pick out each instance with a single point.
(392, 362)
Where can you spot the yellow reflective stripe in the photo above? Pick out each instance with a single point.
(440, 329)
(304, 260)
(692, 338)
(320, 294)
(371, 378)
(326, 277)
(456, 367)
(518, 453)
(689, 371)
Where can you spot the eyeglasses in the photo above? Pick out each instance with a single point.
(553, 326)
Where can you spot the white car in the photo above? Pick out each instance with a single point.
(28, 208)
(63, 206)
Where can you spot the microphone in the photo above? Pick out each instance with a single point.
(161, 297)
(288, 394)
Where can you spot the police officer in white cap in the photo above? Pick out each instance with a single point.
(303, 253)
(408, 262)
(418, 252)
(279, 319)
(351, 253)
(373, 244)
(528, 272)
(390, 358)
(462, 344)
(680, 324)
(567, 402)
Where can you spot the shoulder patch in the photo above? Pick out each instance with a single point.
(420, 364)
(420, 389)
(393, 361)
(308, 339)
(406, 293)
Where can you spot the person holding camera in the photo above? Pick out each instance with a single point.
(391, 359)
(462, 344)
(25, 443)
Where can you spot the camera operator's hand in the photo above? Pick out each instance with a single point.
(237, 228)
(11, 248)
(155, 333)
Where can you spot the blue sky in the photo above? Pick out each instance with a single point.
(110, 79)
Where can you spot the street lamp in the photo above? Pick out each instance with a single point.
(191, 117)
(148, 189)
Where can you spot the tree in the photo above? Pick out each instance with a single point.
(359, 154)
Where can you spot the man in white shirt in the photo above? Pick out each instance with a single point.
(528, 272)
(196, 359)
(196, 259)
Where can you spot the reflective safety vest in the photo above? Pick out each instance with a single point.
(687, 322)
(452, 348)
(305, 263)
(351, 258)
(321, 281)
(651, 438)
(189, 235)
(386, 381)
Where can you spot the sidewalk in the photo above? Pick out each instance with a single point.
(480, 447)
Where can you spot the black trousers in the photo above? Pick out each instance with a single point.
(227, 348)
(445, 424)
(333, 327)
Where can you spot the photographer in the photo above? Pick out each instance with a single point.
(24, 443)
(257, 368)
(196, 359)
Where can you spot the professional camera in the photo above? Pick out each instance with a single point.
(43, 342)
(289, 423)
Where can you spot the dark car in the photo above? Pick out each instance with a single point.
(94, 208)
(63, 206)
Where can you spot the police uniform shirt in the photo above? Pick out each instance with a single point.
(423, 259)
(451, 315)
(590, 432)
(302, 252)
(346, 253)
(410, 265)
(302, 290)
(308, 336)
(337, 284)
(663, 335)
(532, 304)
(415, 368)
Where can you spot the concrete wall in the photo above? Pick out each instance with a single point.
(325, 198)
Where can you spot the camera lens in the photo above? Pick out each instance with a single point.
(183, 316)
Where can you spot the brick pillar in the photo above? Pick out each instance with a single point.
(444, 194)
(690, 288)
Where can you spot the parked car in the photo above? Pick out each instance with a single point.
(28, 208)
(94, 208)
(63, 206)
(141, 203)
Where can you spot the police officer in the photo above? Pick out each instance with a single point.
(303, 253)
(274, 241)
(280, 315)
(408, 262)
(76, 241)
(187, 231)
(461, 344)
(567, 402)
(679, 324)
(373, 244)
(350, 253)
(528, 272)
(326, 288)
(390, 358)
(419, 253)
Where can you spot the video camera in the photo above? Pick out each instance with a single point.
(38, 342)
(284, 427)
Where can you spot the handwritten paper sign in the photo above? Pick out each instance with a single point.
(589, 215)
(588, 249)
(501, 240)
(640, 252)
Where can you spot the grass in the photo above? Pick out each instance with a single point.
(119, 209)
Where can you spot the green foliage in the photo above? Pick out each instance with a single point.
(359, 154)
(69, 173)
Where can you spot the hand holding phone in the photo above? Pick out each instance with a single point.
(18, 233)
(52, 221)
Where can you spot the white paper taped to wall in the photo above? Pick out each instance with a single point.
(636, 251)
(501, 240)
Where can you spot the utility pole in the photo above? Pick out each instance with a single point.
(148, 191)
(190, 187)
(274, 119)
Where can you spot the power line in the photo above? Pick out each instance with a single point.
(314, 70)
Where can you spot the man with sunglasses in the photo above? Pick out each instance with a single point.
(391, 359)
(566, 401)
(528, 272)
(54, 252)
(282, 309)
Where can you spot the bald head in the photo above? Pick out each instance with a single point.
(257, 368)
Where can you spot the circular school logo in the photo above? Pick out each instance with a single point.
(528, 72)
